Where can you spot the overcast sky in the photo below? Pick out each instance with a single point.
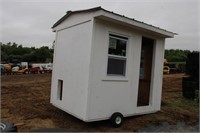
(29, 22)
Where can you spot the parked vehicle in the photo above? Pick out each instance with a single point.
(173, 68)
(24, 64)
(35, 70)
(46, 66)
(2, 69)
(166, 70)
(23, 71)
(25, 68)
(15, 70)
(7, 67)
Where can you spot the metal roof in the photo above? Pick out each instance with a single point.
(69, 13)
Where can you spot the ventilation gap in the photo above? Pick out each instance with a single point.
(60, 89)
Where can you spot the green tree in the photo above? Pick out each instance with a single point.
(14, 52)
(176, 55)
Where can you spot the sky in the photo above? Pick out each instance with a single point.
(29, 22)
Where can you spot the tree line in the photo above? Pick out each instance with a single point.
(177, 55)
(13, 52)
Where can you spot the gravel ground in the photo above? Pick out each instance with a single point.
(166, 127)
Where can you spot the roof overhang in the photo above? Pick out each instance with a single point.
(116, 18)
(103, 14)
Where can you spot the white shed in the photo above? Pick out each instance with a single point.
(107, 66)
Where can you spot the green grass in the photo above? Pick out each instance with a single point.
(178, 104)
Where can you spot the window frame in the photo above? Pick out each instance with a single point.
(119, 57)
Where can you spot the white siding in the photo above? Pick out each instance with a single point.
(74, 20)
(108, 95)
(71, 64)
(158, 73)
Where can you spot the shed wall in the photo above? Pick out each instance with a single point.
(110, 94)
(74, 19)
(71, 64)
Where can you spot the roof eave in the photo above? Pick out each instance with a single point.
(121, 19)
(102, 13)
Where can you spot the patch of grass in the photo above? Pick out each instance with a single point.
(177, 108)
(178, 103)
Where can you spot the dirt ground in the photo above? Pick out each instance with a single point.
(25, 102)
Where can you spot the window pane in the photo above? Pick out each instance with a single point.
(142, 64)
(117, 47)
(116, 66)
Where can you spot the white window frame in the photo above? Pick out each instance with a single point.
(111, 56)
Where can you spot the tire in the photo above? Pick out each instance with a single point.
(41, 72)
(116, 119)
(7, 127)
(26, 72)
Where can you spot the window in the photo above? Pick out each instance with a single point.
(142, 64)
(117, 55)
(60, 89)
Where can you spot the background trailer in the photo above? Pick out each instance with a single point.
(107, 66)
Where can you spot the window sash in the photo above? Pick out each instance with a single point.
(118, 57)
(118, 37)
(123, 72)
(126, 40)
